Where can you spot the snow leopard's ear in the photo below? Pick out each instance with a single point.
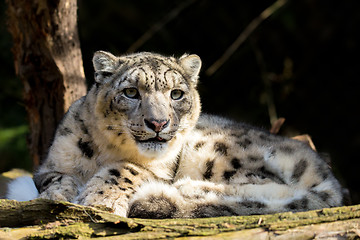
(104, 64)
(191, 65)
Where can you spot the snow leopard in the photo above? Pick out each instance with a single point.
(139, 144)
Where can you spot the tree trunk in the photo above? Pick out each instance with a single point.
(48, 61)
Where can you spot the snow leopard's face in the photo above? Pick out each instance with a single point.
(146, 101)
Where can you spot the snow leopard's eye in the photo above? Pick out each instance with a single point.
(176, 94)
(131, 92)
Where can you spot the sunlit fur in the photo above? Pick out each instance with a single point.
(136, 143)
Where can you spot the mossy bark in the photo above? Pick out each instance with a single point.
(48, 219)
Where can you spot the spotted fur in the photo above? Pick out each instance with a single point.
(136, 143)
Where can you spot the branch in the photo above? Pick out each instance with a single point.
(244, 35)
(159, 25)
(306, 139)
(276, 125)
(268, 91)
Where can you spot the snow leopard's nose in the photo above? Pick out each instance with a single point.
(156, 125)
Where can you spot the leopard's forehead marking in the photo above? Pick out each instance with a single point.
(153, 73)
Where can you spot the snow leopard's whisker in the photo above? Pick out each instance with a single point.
(114, 128)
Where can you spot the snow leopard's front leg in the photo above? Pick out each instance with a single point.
(113, 186)
(57, 186)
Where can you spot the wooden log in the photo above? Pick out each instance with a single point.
(48, 219)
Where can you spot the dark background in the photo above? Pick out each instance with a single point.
(306, 55)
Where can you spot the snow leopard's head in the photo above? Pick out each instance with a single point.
(145, 101)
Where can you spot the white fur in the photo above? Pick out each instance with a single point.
(22, 189)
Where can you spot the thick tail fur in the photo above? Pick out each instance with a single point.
(188, 198)
(22, 189)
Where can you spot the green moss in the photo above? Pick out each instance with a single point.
(13, 148)
(9, 133)
(68, 220)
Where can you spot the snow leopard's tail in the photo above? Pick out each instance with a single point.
(22, 189)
